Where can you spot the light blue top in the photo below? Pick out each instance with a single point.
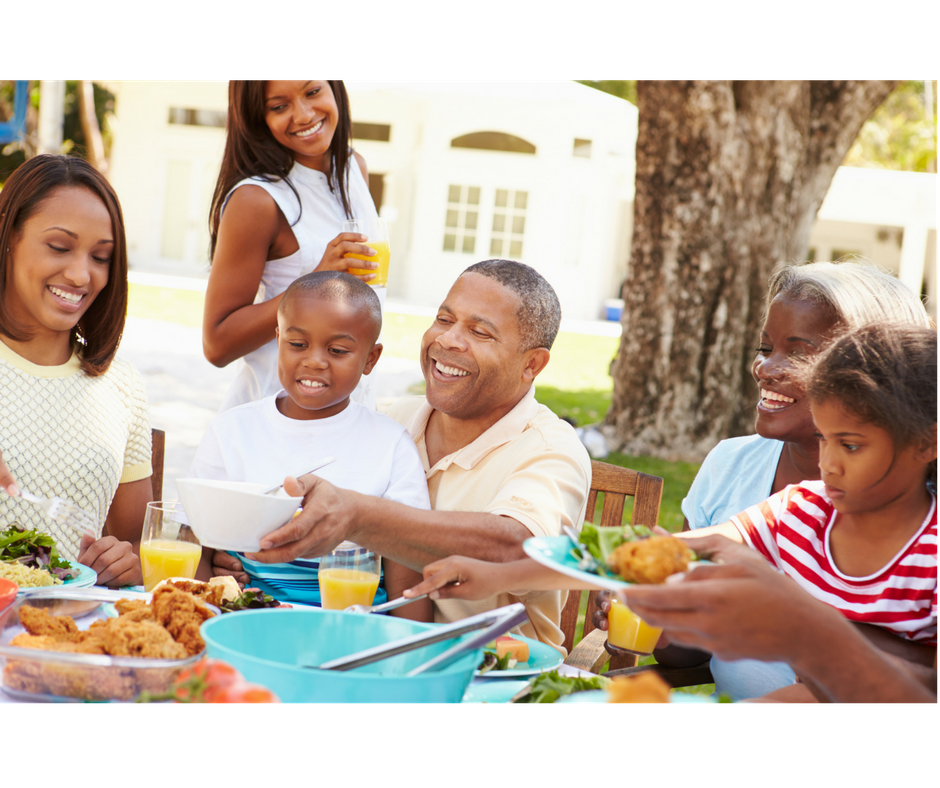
(736, 474)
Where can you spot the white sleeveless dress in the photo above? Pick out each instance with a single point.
(320, 222)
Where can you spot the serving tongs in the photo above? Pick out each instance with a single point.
(493, 623)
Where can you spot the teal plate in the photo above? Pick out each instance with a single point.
(541, 657)
(482, 690)
(555, 553)
(87, 577)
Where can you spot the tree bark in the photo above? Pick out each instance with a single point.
(729, 178)
(94, 152)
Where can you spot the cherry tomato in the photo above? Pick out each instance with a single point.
(205, 680)
(245, 693)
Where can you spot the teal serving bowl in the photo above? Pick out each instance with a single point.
(269, 646)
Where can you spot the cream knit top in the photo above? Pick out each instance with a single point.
(67, 434)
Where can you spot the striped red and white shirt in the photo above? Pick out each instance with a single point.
(791, 530)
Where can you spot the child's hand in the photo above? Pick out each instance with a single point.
(459, 577)
(225, 564)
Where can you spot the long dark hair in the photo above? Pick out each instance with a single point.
(251, 150)
(98, 334)
(884, 374)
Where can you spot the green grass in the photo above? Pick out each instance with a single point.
(183, 307)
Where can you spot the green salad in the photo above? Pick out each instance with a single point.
(35, 550)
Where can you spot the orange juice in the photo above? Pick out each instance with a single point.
(163, 558)
(628, 631)
(381, 257)
(340, 588)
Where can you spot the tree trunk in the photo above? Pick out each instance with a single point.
(86, 110)
(728, 181)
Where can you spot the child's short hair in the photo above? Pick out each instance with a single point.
(337, 286)
(885, 374)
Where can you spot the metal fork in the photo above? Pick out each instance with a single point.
(64, 511)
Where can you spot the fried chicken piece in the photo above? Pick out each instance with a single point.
(123, 637)
(645, 687)
(37, 621)
(650, 560)
(133, 607)
(182, 614)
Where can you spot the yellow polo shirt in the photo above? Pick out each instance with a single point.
(530, 466)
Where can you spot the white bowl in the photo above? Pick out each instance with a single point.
(233, 515)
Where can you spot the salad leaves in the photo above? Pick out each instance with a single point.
(550, 686)
(35, 550)
(493, 662)
(249, 599)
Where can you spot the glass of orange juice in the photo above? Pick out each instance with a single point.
(349, 576)
(627, 631)
(377, 232)
(168, 546)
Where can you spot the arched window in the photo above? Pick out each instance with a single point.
(493, 140)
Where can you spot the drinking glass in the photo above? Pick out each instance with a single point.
(168, 546)
(627, 631)
(349, 576)
(377, 232)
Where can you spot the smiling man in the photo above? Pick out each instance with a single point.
(500, 466)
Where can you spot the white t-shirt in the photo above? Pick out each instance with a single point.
(254, 442)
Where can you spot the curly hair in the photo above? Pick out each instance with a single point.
(885, 374)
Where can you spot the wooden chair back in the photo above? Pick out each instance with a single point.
(616, 484)
(157, 452)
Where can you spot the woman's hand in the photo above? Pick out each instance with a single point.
(335, 259)
(116, 562)
(7, 482)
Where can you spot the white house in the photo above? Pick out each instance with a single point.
(541, 172)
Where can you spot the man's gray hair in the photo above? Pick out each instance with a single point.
(539, 312)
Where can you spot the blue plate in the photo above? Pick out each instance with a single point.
(87, 577)
(541, 657)
(555, 553)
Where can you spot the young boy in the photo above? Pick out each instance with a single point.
(327, 326)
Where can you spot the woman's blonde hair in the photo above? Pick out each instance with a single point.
(855, 292)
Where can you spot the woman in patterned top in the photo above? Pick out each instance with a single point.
(74, 421)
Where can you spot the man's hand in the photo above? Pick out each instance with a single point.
(116, 562)
(225, 564)
(326, 520)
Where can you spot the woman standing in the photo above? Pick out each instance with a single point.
(74, 419)
(287, 182)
